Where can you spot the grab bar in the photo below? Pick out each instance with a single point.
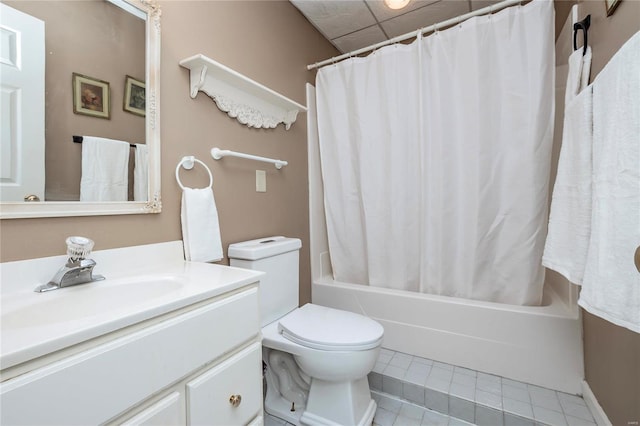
(218, 153)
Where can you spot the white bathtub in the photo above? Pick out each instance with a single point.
(539, 345)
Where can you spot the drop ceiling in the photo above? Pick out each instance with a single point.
(353, 24)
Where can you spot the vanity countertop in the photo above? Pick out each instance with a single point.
(141, 283)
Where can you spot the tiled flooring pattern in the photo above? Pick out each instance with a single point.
(269, 420)
(467, 395)
(395, 412)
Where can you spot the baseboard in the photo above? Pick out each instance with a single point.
(596, 410)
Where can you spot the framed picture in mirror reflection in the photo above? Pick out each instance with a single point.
(611, 6)
(134, 96)
(91, 96)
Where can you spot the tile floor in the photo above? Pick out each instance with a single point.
(414, 391)
(269, 420)
(470, 396)
(396, 412)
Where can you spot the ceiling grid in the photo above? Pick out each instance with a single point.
(353, 24)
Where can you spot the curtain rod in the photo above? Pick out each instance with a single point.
(407, 36)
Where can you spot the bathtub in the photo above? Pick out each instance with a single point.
(538, 345)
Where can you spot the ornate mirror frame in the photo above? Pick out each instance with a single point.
(15, 210)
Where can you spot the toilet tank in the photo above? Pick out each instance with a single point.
(278, 257)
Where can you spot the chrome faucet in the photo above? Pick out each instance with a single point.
(77, 270)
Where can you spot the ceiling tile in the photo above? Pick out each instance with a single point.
(382, 12)
(358, 39)
(425, 16)
(336, 18)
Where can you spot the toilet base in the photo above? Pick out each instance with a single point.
(328, 403)
(339, 403)
(274, 403)
(277, 406)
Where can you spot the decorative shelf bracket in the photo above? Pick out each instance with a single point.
(246, 100)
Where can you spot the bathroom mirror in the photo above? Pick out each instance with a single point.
(82, 48)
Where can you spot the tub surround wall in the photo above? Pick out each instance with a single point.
(269, 41)
(611, 353)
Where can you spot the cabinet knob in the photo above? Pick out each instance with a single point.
(235, 400)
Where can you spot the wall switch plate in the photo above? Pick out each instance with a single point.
(261, 181)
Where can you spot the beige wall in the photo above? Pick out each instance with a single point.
(562, 7)
(99, 40)
(270, 42)
(611, 353)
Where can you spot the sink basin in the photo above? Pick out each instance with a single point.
(87, 300)
(142, 283)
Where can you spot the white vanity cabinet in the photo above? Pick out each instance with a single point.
(182, 367)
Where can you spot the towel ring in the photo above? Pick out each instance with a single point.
(584, 26)
(188, 162)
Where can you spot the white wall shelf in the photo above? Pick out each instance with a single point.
(246, 100)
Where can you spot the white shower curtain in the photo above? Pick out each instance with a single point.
(435, 159)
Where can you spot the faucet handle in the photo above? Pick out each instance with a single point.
(78, 248)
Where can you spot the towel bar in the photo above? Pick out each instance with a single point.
(218, 153)
(79, 139)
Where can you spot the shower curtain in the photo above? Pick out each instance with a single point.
(435, 159)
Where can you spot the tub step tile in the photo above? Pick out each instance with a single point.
(463, 391)
(393, 411)
(439, 393)
(414, 393)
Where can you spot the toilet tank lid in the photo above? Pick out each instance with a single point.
(263, 247)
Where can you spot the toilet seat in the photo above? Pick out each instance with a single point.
(327, 329)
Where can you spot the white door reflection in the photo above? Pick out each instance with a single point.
(22, 73)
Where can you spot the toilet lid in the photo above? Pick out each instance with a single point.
(328, 329)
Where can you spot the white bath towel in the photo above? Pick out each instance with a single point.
(141, 173)
(105, 170)
(611, 285)
(569, 232)
(200, 227)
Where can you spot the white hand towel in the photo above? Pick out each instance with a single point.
(578, 75)
(141, 173)
(105, 170)
(565, 249)
(200, 227)
(611, 285)
(586, 69)
(574, 76)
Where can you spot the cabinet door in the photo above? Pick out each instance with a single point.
(209, 396)
(164, 412)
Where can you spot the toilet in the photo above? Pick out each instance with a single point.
(317, 358)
